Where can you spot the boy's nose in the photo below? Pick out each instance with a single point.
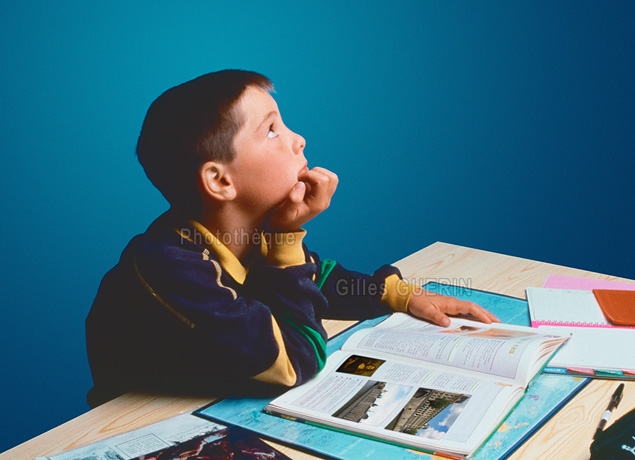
(298, 144)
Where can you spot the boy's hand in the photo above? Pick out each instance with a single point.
(435, 308)
(309, 197)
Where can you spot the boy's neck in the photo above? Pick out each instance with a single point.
(237, 231)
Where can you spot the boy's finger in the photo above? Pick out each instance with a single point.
(322, 187)
(484, 315)
(319, 175)
(333, 179)
(493, 317)
(437, 317)
(325, 172)
(481, 314)
(290, 207)
(297, 192)
(321, 170)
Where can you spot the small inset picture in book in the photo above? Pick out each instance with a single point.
(360, 365)
(429, 413)
(502, 334)
(374, 403)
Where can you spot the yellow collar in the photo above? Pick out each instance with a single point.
(227, 259)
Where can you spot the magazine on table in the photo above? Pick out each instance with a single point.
(178, 438)
(405, 381)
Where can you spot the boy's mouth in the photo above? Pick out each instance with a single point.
(304, 170)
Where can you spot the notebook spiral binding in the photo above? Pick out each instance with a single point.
(568, 323)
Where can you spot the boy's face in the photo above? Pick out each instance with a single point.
(269, 156)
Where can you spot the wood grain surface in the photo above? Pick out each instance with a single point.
(566, 436)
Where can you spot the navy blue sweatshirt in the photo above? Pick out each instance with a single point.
(181, 314)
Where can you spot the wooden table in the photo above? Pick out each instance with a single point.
(566, 436)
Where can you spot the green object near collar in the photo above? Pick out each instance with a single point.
(326, 268)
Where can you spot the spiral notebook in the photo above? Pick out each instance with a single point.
(564, 307)
(596, 348)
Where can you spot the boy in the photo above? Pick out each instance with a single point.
(220, 294)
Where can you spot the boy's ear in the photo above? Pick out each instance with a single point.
(216, 182)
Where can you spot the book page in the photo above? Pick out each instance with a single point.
(392, 400)
(595, 349)
(499, 350)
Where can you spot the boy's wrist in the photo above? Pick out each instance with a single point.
(284, 249)
(279, 229)
(397, 293)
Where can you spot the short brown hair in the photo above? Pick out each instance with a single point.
(191, 124)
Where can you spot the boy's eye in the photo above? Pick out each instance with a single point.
(271, 133)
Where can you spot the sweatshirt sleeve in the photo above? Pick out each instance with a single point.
(354, 295)
(268, 329)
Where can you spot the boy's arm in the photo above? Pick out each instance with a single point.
(297, 307)
(350, 294)
(269, 329)
(353, 295)
(312, 195)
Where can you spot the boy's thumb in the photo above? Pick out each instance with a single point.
(297, 192)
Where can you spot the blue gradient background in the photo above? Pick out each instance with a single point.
(503, 126)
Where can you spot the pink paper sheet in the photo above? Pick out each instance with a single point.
(584, 284)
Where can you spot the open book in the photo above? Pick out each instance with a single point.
(405, 381)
